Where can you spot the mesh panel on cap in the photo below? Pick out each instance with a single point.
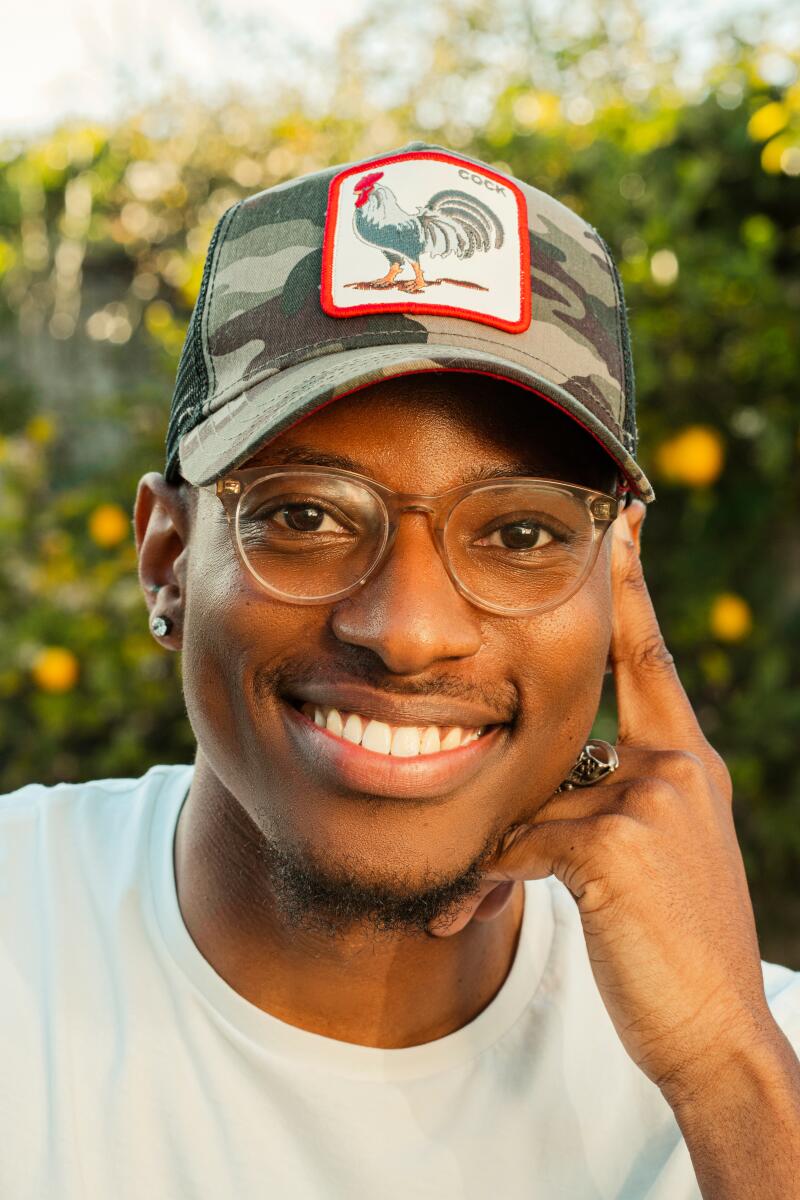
(191, 382)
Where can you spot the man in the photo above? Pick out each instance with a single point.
(402, 929)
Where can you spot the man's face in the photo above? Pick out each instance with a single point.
(341, 832)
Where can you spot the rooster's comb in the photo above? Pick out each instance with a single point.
(367, 181)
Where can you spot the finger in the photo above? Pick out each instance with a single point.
(491, 899)
(653, 708)
(561, 847)
(518, 856)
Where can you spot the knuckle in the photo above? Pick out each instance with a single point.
(513, 838)
(616, 831)
(632, 573)
(682, 765)
(719, 773)
(597, 895)
(650, 795)
(685, 773)
(652, 654)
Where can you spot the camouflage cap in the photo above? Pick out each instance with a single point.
(481, 273)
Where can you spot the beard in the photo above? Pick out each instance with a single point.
(322, 898)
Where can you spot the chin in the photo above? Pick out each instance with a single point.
(335, 884)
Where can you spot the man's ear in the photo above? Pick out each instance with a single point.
(162, 526)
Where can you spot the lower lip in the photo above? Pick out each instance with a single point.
(346, 765)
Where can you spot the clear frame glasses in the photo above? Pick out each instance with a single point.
(512, 545)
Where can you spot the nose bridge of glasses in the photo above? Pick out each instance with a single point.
(413, 504)
(427, 508)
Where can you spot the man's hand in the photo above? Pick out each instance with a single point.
(651, 857)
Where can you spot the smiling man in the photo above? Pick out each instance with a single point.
(402, 929)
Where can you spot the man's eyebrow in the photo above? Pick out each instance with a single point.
(322, 458)
(306, 454)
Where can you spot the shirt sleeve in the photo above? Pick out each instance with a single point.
(782, 987)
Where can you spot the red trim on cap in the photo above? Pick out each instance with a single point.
(446, 310)
(626, 486)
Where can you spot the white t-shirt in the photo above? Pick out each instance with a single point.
(130, 1070)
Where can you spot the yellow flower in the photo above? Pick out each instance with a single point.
(730, 618)
(537, 110)
(8, 256)
(767, 120)
(190, 288)
(695, 456)
(40, 429)
(55, 669)
(158, 317)
(772, 156)
(108, 525)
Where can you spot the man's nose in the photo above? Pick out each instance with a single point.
(409, 612)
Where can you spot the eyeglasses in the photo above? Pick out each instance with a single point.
(514, 546)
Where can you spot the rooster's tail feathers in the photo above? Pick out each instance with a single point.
(457, 223)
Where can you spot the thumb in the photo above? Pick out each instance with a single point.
(459, 916)
(492, 897)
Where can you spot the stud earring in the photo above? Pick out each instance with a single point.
(160, 625)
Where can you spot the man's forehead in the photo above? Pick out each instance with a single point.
(480, 426)
(308, 454)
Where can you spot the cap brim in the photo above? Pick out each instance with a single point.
(228, 438)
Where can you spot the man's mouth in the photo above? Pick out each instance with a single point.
(394, 746)
(351, 736)
(398, 741)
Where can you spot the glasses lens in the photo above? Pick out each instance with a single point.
(520, 546)
(309, 536)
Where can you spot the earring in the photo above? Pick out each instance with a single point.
(160, 625)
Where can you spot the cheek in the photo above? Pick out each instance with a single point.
(235, 638)
(564, 653)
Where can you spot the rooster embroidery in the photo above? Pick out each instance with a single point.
(452, 222)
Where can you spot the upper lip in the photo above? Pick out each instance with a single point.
(394, 710)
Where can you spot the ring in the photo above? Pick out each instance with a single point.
(596, 760)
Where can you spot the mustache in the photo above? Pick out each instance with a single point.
(499, 695)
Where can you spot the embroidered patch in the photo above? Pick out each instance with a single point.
(429, 233)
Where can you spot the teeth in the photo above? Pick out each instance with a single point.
(430, 743)
(377, 736)
(405, 742)
(334, 722)
(353, 729)
(401, 741)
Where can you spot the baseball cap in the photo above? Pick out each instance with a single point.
(421, 259)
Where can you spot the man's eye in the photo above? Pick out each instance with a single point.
(519, 535)
(305, 518)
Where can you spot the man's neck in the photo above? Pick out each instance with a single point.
(355, 987)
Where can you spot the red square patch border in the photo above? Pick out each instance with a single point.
(445, 310)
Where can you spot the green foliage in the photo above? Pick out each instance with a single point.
(103, 234)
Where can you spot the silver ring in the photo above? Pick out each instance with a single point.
(596, 760)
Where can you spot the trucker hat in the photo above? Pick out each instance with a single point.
(421, 259)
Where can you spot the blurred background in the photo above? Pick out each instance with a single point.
(126, 130)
